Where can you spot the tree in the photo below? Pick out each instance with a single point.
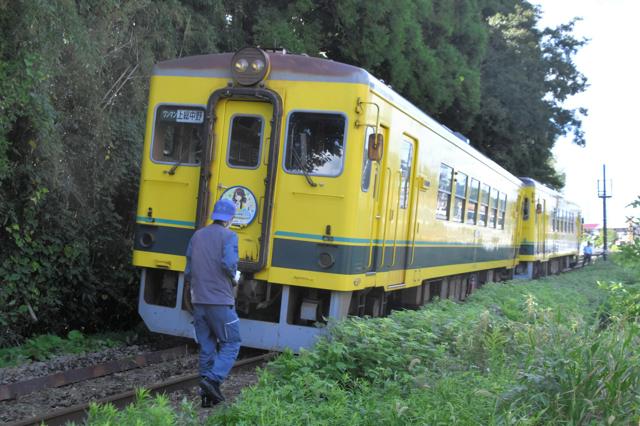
(74, 78)
(526, 75)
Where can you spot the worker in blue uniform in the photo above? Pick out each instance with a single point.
(212, 262)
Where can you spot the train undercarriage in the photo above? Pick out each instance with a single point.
(275, 317)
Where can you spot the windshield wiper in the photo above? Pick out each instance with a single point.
(304, 172)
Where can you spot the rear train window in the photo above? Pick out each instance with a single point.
(178, 135)
(315, 143)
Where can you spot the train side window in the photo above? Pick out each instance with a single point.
(444, 192)
(502, 210)
(484, 205)
(365, 181)
(245, 141)
(315, 143)
(493, 208)
(573, 223)
(178, 135)
(460, 197)
(406, 159)
(472, 207)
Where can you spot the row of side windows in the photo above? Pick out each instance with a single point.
(473, 203)
(563, 221)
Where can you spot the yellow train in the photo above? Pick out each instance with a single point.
(551, 230)
(351, 201)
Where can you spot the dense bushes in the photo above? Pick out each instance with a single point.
(73, 79)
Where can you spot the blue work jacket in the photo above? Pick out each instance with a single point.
(212, 262)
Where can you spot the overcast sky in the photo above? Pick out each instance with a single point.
(611, 63)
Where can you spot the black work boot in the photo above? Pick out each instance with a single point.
(206, 402)
(211, 389)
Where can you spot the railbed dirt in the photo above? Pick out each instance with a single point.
(47, 400)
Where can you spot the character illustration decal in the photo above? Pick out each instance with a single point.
(246, 205)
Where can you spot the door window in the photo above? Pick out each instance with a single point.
(406, 158)
(245, 140)
(366, 162)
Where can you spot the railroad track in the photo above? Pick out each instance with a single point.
(14, 390)
(78, 413)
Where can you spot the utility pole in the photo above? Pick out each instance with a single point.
(602, 193)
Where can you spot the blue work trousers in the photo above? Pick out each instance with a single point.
(218, 333)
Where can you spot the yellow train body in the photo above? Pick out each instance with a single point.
(339, 231)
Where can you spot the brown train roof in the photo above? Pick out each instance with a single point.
(283, 66)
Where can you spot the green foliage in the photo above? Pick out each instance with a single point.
(514, 353)
(527, 75)
(45, 346)
(155, 411)
(629, 255)
(623, 302)
(612, 236)
(74, 78)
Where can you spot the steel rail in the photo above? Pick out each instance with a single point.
(78, 413)
(63, 378)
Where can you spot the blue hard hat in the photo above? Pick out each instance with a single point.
(223, 210)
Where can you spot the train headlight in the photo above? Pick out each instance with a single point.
(241, 65)
(257, 65)
(250, 66)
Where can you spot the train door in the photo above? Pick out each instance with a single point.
(240, 169)
(381, 188)
(541, 226)
(544, 227)
(398, 170)
(403, 240)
